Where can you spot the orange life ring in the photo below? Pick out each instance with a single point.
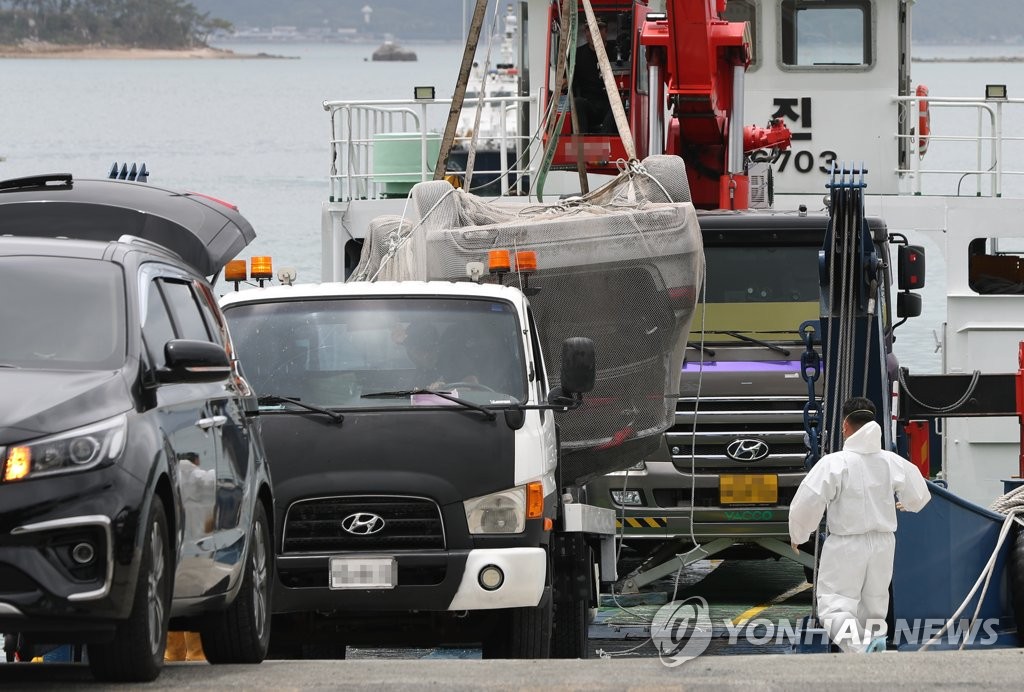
(924, 123)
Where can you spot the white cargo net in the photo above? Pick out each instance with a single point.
(622, 266)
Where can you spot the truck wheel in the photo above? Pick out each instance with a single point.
(334, 651)
(307, 652)
(241, 633)
(137, 652)
(1015, 564)
(521, 633)
(573, 580)
(296, 638)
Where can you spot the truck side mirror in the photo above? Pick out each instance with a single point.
(908, 304)
(910, 268)
(578, 365)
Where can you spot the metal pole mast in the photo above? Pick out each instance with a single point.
(460, 88)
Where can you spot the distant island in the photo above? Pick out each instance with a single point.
(35, 49)
(992, 58)
(938, 22)
(45, 27)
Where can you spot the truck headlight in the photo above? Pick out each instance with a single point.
(503, 512)
(75, 450)
(627, 497)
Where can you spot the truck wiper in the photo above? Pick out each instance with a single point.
(750, 339)
(701, 348)
(444, 395)
(277, 399)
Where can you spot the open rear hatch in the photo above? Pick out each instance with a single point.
(204, 231)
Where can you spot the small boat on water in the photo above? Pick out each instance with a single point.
(390, 51)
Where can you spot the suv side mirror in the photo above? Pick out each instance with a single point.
(910, 268)
(579, 368)
(194, 361)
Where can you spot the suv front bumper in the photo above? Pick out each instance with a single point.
(42, 587)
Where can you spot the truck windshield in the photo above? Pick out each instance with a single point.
(761, 291)
(61, 313)
(332, 352)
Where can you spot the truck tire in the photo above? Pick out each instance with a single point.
(136, 653)
(334, 651)
(521, 633)
(573, 584)
(1015, 566)
(307, 652)
(241, 633)
(296, 637)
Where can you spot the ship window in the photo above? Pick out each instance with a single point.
(996, 266)
(744, 11)
(817, 34)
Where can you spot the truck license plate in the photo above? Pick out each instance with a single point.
(749, 489)
(364, 573)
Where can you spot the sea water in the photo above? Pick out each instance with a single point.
(254, 132)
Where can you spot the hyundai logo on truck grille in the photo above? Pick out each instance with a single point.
(363, 523)
(746, 449)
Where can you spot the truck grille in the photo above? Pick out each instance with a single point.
(777, 421)
(315, 526)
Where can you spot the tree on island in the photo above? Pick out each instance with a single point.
(166, 24)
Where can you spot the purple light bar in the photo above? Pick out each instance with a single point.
(744, 366)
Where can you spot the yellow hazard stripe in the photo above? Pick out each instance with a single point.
(643, 522)
(746, 615)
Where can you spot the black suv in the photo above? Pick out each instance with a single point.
(134, 489)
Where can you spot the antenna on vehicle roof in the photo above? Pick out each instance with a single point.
(137, 173)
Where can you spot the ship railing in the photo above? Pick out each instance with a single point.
(379, 149)
(986, 130)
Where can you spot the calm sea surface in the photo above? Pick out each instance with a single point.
(254, 131)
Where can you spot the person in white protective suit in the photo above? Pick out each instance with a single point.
(857, 486)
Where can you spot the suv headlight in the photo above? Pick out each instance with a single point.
(75, 450)
(503, 512)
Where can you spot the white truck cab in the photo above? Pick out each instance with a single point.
(414, 450)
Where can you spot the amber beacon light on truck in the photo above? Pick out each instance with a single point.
(259, 269)
(501, 262)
